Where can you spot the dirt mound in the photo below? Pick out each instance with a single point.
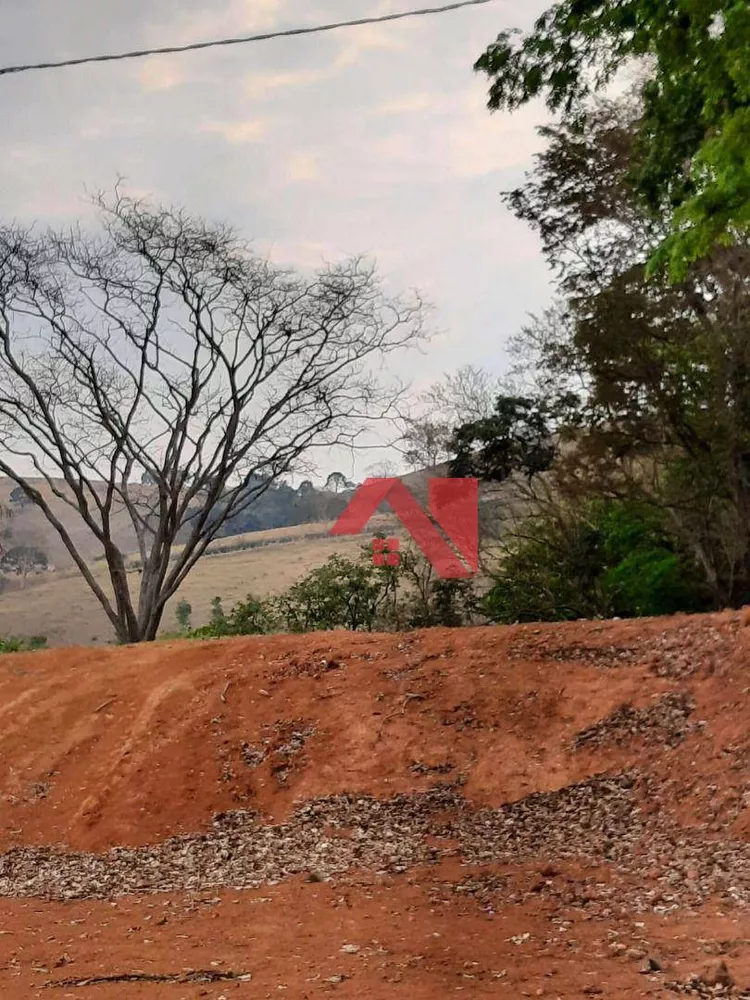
(542, 811)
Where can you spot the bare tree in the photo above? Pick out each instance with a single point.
(458, 398)
(426, 442)
(463, 396)
(162, 351)
(384, 469)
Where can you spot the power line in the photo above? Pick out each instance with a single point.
(288, 33)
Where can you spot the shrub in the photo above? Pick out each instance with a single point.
(429, 600)
(354, 595)
(217, 612)
(11, 644)
(339, 594)
(183, 613)
(606, 558)
(647, 571)
(251, 617)
(454, 603)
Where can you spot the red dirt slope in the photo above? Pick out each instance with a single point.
(532, 811)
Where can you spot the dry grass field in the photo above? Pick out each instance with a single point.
(60, 606)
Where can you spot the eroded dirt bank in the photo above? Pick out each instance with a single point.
(542, 811)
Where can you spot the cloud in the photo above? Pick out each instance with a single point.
(25, 155)
(306, 254)
(477, 151)
(410, 104)
(260, 86)
(253, 130)
(239, 17)
(228, 20)
(450, 138)
(368, 38)
(161, 73)
(98, 125)
(303, 167)
(356, 43)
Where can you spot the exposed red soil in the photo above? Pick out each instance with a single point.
(528, 811)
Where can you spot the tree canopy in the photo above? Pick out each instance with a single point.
(663, 367)
(693, 135)
(517, 437)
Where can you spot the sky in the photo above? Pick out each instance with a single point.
(370, 140)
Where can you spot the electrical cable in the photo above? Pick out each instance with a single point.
(287, 33)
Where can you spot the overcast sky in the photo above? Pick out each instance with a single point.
(373, 139)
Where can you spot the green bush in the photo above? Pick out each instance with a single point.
(183, 613)
(453, 603)
(251, 617)
(11, 644)
(354, 595)
(339, 594)
(425, 600)
(217, 612)
(647, 571)
(604, 559)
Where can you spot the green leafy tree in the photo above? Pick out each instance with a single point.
(663, 367)
(692, 136)
(599, 559)
(336, 482)
(518, 437)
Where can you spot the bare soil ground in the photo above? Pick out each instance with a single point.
(531, 811)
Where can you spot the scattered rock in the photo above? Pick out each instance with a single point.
(717, 975)
(651, 965)
(665, 722)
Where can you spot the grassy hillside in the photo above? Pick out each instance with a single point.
(30, 527)
(59, 605)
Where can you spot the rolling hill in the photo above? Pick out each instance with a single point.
(59, 605)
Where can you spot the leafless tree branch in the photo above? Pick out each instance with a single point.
(161, 371)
